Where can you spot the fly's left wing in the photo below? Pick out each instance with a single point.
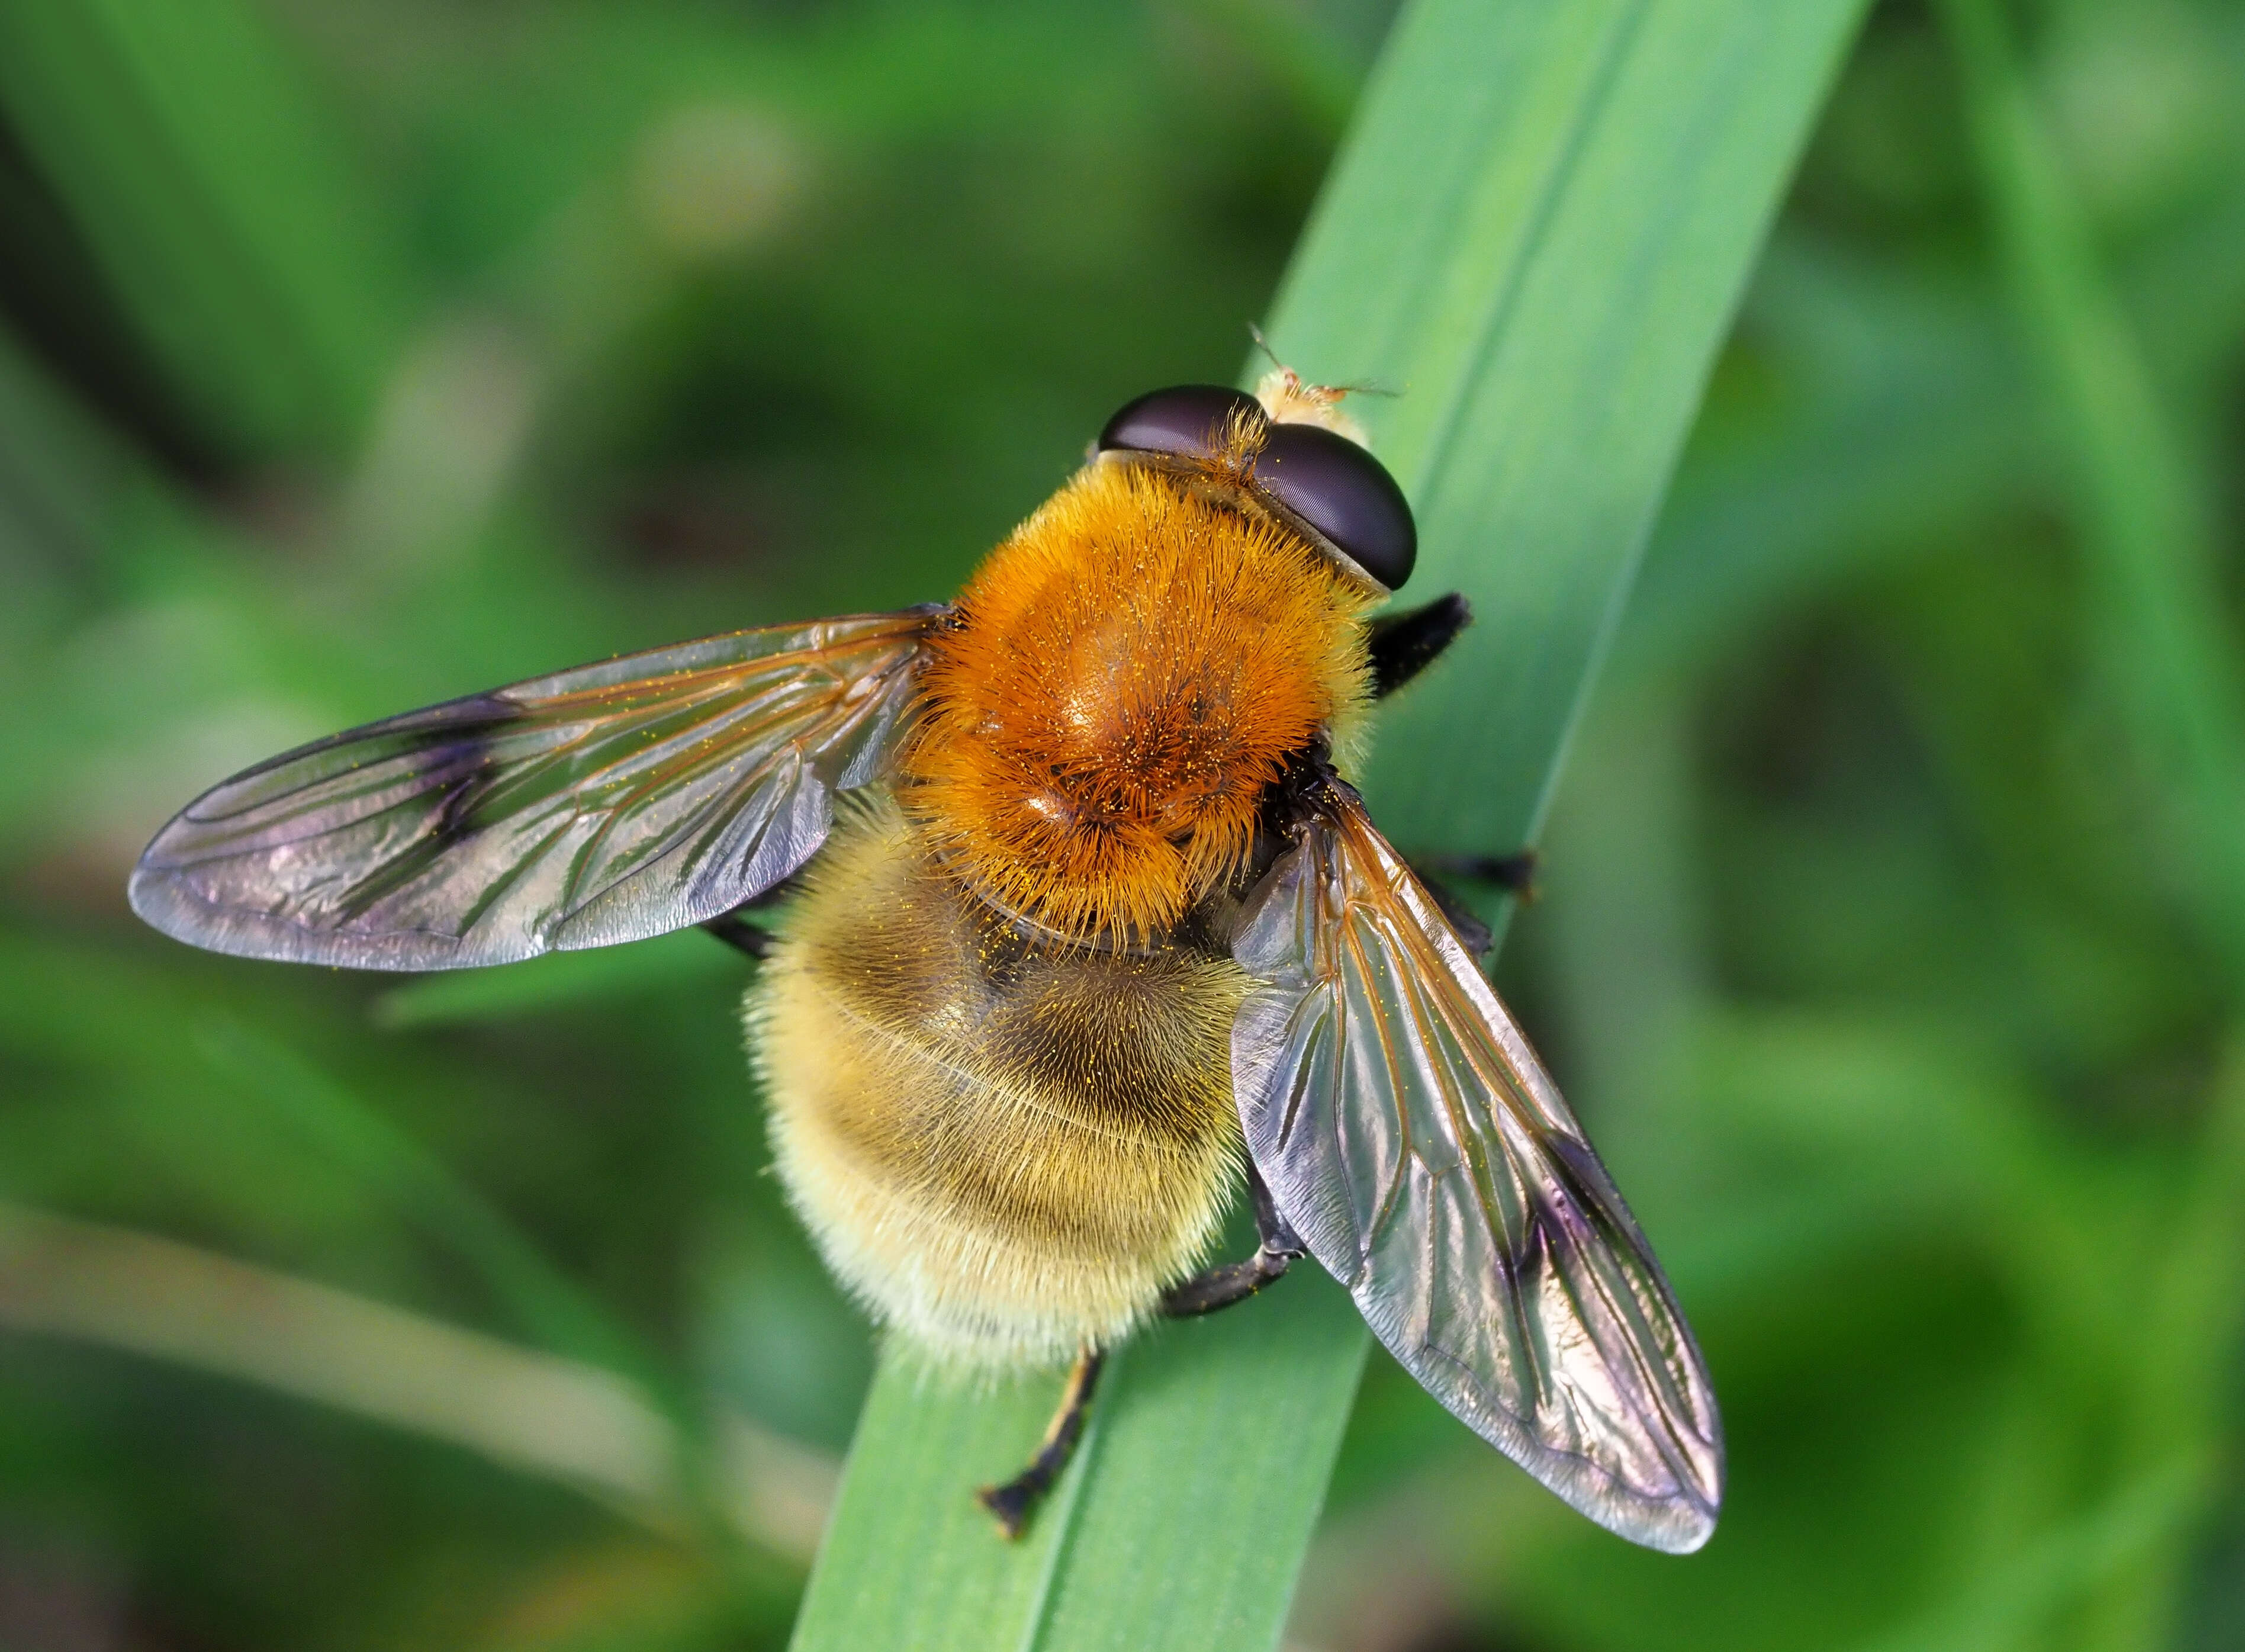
(1412, 1139)
(604, 804)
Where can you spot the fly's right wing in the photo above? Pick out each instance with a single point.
(605, 804)
(1410, 1135)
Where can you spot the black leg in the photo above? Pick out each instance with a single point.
(1279, 1249)
(1012, 1503)
(1475, 935)
(1404, 644)
(735, 930)
(1515, 874)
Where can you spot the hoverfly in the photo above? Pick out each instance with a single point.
(1082, 904)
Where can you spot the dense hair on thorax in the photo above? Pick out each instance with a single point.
(1126, 676)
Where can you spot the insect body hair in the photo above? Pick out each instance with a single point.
(1129, 672)
(1006, 1150)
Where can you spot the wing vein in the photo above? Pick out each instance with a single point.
(603, 804)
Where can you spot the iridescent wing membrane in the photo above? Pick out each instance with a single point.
(1412, 1139)
(604, 804)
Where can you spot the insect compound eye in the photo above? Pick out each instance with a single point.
(1345, 493)
(1325, 479)
(1186, 420)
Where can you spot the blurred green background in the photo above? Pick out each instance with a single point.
(356, 355)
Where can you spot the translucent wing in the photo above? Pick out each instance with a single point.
(605, 804)
(1413, 1140)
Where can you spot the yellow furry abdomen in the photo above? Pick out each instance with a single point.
(1006, 1149)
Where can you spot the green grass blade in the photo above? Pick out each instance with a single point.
(1537, 233)
(1538, 242)
(1218, 1432)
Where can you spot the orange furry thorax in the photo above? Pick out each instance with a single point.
(1126, 676)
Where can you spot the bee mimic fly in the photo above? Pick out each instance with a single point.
(1086, 922)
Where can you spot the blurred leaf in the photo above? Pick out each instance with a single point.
(2156, 595)
(1896, 425)
(1539, 229)
(1298, 51)
(2006, 1606)
(168, 1300)
(560, 1315)
(560, 1418)
(1890, 427)
(56, 469)
(221, 206)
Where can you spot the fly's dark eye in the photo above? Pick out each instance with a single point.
(1345, 493)
(1328, 481)
(1186, 420)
